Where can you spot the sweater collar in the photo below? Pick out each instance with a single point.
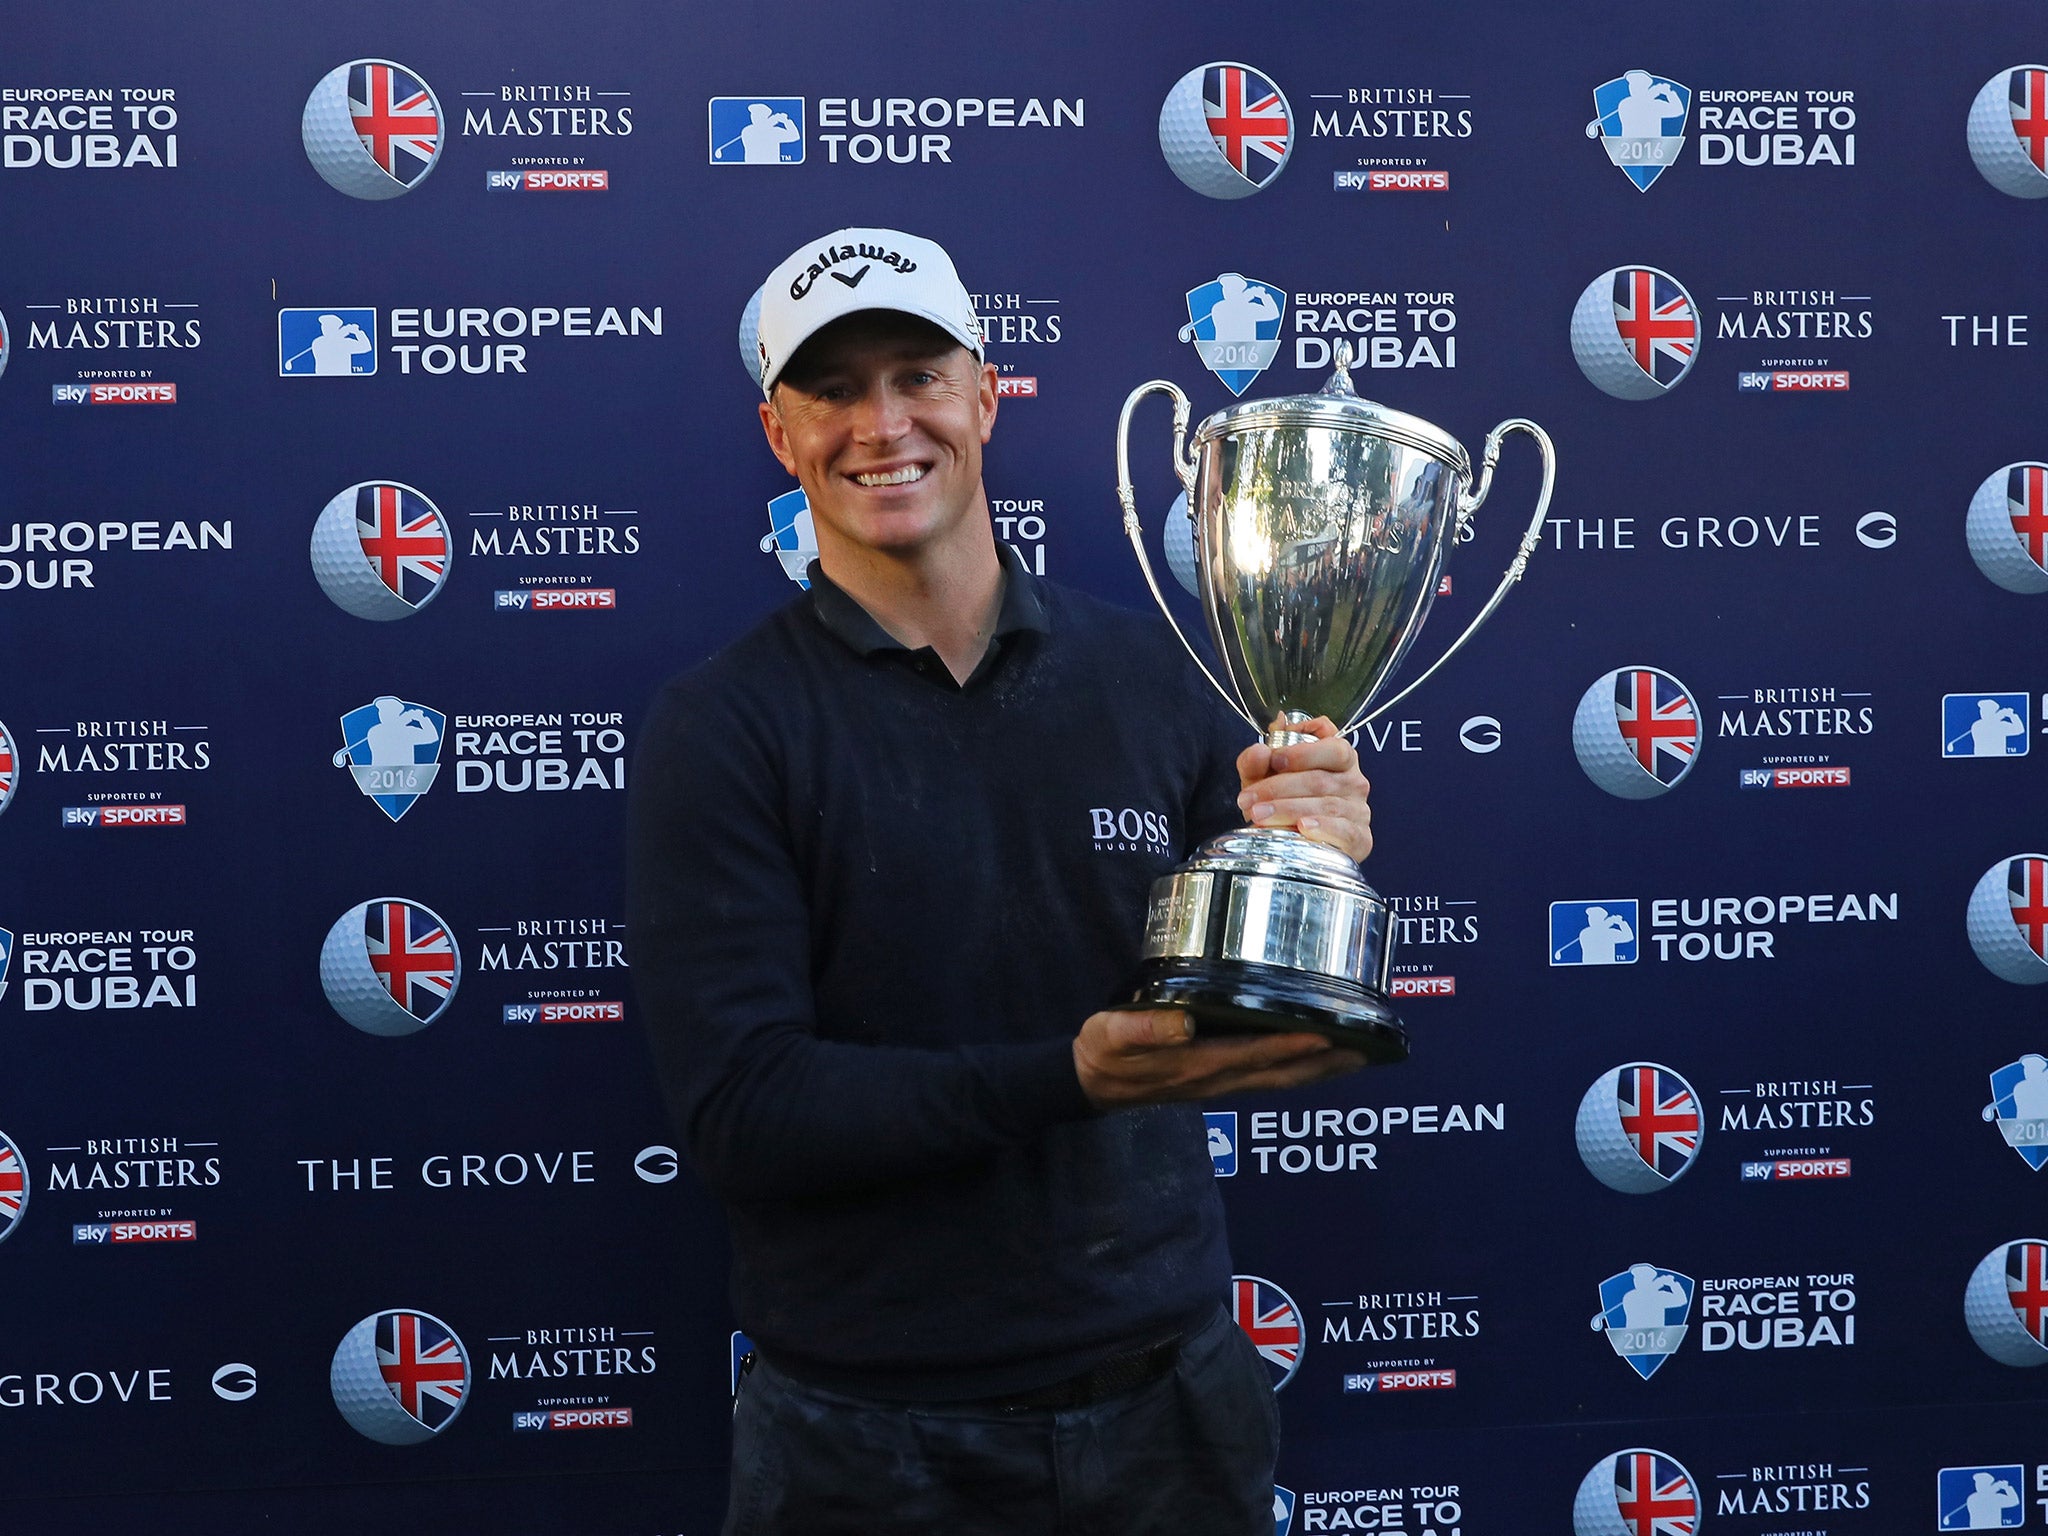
(1023, 607)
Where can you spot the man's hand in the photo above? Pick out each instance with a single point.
(1315, 788)
(1127, 1058)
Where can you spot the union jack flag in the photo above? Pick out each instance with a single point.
(2026, 499)
(1249, 120)
(424, 1366)
(1660, 1116)
(405, 539)
(413, 954)
(1657, 720)
(2026, 887)
(1656, 321)
(2026, 1286)
(1654, 1495)
(6, 766)
(396, 117)
(13, 1186)
(1273, 1323)
(2026, 94)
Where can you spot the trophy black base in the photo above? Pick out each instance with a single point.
(1237, 997)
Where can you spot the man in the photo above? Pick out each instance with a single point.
(874, 923)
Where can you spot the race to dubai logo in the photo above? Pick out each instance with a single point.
(390, 966)
(1635, 332)
(372, 129)
(1643, 1311)
(792, 537)
(1639, 1128)
(1639, 119)
(2019, 1107)
(392, 748)
(1637, 732)
(1273, 1323)
(1234, 322)
(1637, 1492)
(382, 550)
(1226, 130)
(2008, 919)
(14, 1186)
(6, 958)
(400, 1377)
(2008, 131)
(2008, 528)
(10, 767)
(2006, 1304)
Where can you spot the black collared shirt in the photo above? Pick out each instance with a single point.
(1023, 610)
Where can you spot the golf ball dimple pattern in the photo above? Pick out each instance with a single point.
(2000, 155)
(1995, 937)
(1178, 535)
(353, 988)
(363, 1396)
(347, 575)
(1603, 357)
(1987, 1309)
(1594, 1511)
(750, 338)
(328, 131)
(8, 1144)
(1190, 149)
(5, 348)
(1605, 1148)
(1609, 761)
(2001, 554)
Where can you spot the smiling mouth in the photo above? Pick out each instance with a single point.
(909, 474)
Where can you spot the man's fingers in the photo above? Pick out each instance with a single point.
(1148, 1029)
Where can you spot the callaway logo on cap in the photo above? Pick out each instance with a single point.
(851, 270)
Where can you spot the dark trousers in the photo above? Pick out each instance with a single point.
(1187, 1454)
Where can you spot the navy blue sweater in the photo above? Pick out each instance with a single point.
(868, 911)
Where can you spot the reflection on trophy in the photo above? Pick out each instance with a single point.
(1321, 525)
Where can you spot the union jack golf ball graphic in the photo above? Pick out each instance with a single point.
(1596, 1511)
(1997, 928)
(1179, 537)
(15, 1187)
(1995, 138)
(1992, 1309)
(368, 1401)
(358, 989)
(4, 349)
(1606, 755)
(750, 338)
(1605, 1146)
(1191, 150)
(347, 573)
(2002, 552)
(328, 130)
(1603, 355)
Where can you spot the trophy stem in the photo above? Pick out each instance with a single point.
(1282, 737)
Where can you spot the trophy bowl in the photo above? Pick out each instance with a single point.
(1321, 527)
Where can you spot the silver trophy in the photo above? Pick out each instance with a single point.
(1321, 525)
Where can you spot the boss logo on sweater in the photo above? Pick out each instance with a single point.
(1130, 830)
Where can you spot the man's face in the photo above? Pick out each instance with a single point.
(882, 419)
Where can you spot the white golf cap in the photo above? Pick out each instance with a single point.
(851, 270)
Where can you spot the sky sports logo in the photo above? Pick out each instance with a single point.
(556, 600)
(547, 181)
(1792, 380)
(1392, 181)
(1400, 1381)
(565, 1013)
(1795, 778)
(1787, 1168)
(124, 816)
(528, 1421)
(105, 1233)
(113, 394)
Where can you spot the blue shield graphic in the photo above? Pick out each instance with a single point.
(326, 343)
(1593, 932)
(1283, 1510)
(1643, 1311)
(1639, 119)
(757, 130)
(1222, 1124)
(392, 748)
(2019, 1105)
(791, 536)
(1980, 1498)
(1234, 322)
(742, 1346)
(6, 958)
(1985, 724)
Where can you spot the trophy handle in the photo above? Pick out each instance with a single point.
(1184, 468)
(1467, 505)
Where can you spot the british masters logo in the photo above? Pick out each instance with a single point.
(1273, 1323)
(326, 343)
(390, 966)
(2008, 132)
(1985, 724)
(372, 129)
(2007, 528)
(2019, 1107)
(381, 550)
(1594, 932)
(1635, 332)
(792, 537)
(2006, 1303)
(392, 748)
(1980, 1498)
(1639, 1128)
(10, 777)
(1226, 130)
(14, 1185)
(2008, 919)
(1639, 119)
(1636, 732)
(1234, 322)
(1637, 1492)
(400, 1377)
(757, 130)
(1643, 1311)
